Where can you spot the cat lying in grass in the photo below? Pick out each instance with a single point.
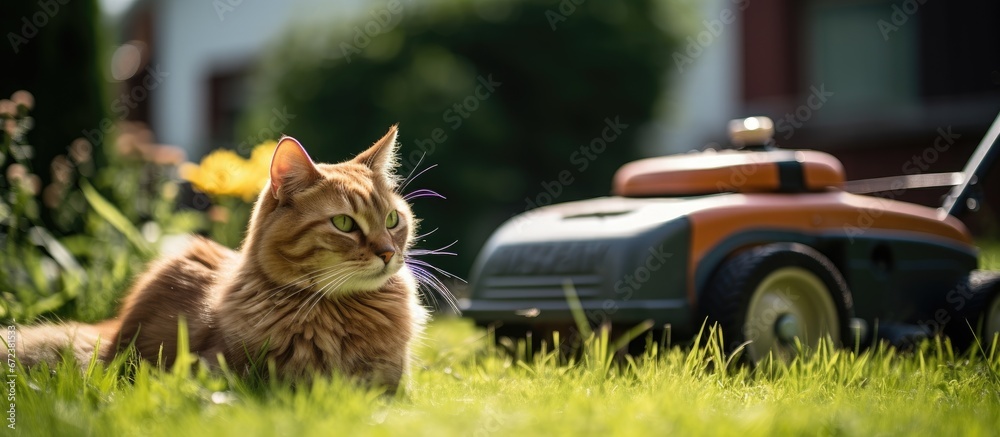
(323, 282)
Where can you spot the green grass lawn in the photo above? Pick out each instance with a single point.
(467, 385)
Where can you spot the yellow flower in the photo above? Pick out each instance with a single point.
(260, 157)
(224, 173)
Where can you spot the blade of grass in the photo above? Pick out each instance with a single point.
(108, 212)
(576, 308)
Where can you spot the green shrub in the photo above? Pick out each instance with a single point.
(549, 76)
(53, 49)
(80, 274)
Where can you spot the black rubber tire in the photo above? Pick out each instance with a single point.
(727, 295)
(984, 288)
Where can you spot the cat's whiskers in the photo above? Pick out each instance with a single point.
(425, 234)
(320, 294)
(325, 291)
(423, 192)
(331, 282)
(412, 254)
(410, 177)
(428, 279)
(439, 251)
(321, 275)
(443, 272)
(423, 276)
(307, 279)
(316, 296)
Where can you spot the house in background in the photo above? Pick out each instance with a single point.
(206, 50)
(874, 82)
(912, 85)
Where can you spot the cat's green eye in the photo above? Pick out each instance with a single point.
(392, 219)
(343, 222)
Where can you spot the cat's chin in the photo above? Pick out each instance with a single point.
(367, 281)
(362, 284)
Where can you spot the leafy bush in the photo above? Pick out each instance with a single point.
(123, 209)
(54, 49)
(504, 96)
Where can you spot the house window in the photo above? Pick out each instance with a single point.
(879, 54)
(856, 52)
(227, 91)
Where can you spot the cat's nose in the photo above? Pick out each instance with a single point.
(386, 256)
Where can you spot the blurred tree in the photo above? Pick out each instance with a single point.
(520, 103)
(51, 49)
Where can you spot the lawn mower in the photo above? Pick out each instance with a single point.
(771, 244)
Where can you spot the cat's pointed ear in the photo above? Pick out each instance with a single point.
(381, 157)
(291, 169)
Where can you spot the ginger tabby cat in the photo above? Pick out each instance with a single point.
(319, 285)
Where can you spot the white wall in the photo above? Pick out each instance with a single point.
(704, 95)
(193, 39)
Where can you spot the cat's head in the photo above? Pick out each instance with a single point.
(331, 228)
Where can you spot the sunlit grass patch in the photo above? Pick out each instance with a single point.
(466, 384)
